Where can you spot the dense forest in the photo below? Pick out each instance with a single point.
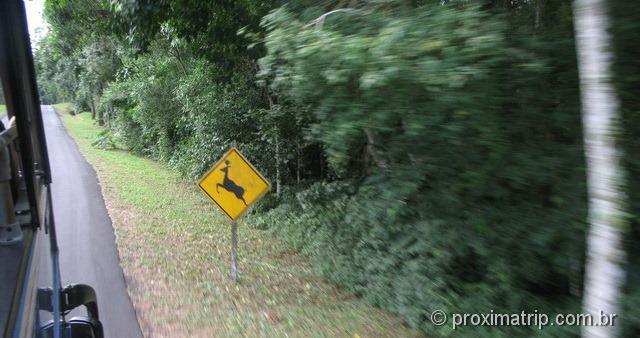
(425, 154)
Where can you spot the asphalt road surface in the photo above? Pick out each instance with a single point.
(88, 252)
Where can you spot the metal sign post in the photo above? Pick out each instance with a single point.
(233, 184)
(234, 252)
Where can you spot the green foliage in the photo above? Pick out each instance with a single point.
(147, 104)
(436, 57)
(76, 21)
(57, 73)
(473, 196)
(626, 22)
(215, 116)
(105, 140)
(210, 27)
(428, 153)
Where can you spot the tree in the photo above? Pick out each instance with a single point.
(605, 254)
(100, 62)
(75, 21)
(210, 28)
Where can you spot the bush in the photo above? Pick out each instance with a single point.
(214, 117)
(105, 141)
(462, 190)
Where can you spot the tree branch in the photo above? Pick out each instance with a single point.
(319, 22)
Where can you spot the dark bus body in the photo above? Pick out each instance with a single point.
(32, 301)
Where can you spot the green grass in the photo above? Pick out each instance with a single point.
(174, 245)
(64, 108)
(3, 110)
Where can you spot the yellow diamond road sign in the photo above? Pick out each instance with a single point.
(234, 184)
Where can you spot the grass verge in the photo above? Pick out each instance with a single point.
(64, 108)
(174, 247)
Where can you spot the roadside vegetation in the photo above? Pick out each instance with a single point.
(425, 155)
(174, 248)
(3, 107)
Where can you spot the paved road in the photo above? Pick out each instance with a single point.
(88, 252)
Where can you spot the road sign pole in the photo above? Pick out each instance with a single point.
(233, 184)
(234, 252)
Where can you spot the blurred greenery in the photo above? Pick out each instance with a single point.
(425, 154)
(626, 23)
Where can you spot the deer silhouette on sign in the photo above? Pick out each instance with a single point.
(229, 185)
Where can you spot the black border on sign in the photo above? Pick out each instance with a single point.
(255, 171)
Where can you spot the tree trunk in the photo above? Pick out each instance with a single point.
(100, 117)
(538, 13)
(538, 9)
(298, 161)
(93, 108)
(278, 175)
(604, 272)
(276, 132)
(321, 158)
(179, 58)
(372, 150)
(99, 111)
